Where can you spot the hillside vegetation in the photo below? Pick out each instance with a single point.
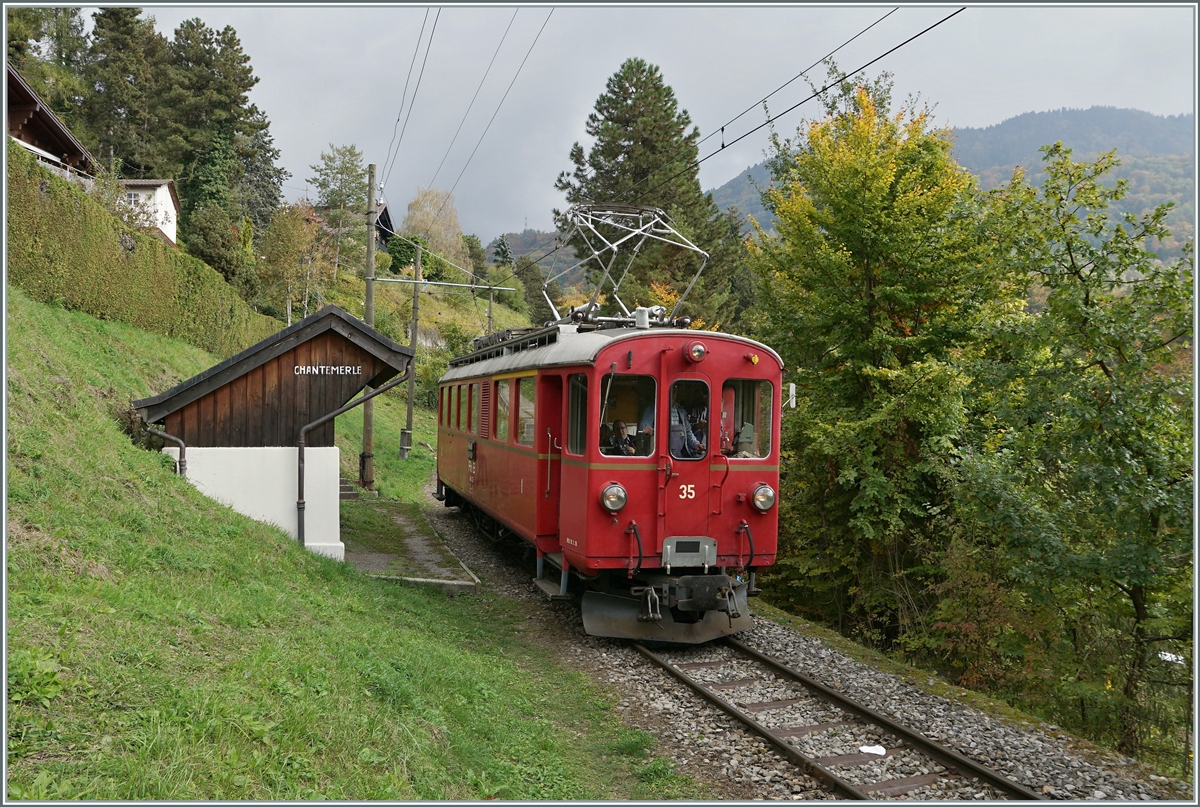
(161, 646)
(1155, 154)
(64, 247)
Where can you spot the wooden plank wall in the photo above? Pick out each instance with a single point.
(269, 405)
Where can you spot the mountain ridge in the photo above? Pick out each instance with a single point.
(1156, 154)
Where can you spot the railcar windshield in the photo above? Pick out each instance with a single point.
(687, 420)
(627, 415)
(744, 426)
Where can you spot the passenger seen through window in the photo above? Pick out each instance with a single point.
(687, 420)
(623, 400)
(745, 418)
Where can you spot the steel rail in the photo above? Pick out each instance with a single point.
(843, 787)
(948, 757)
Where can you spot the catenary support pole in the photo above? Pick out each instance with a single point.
(366, 464)
(406, 433)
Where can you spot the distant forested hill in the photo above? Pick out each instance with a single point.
(540, 244)
(1088, 131)
(1155, 154)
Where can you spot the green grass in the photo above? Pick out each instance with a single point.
(397, 479)
(161, 646)
(382, 525)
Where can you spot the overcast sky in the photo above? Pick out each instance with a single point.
(337, 75)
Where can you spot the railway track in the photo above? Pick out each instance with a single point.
(857, 751)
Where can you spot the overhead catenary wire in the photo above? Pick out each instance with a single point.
(766, 98)
(413, 102)
(475, 96)
(472, 275)
(498, 106)
(730, 121)
(815, 94)
(404, 95)
(392, 233)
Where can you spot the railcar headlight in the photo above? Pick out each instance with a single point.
(613, 497)
(696, 351)
(763, 497)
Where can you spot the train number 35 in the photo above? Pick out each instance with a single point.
(687, 491)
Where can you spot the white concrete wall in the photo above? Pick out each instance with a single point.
(261, 483)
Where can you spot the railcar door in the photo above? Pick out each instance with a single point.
(549, 442)
(684, 454)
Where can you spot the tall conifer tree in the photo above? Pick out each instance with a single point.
(644, 153)
(123, 78)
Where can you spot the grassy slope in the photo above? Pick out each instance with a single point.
(160, 646)
(393, 307)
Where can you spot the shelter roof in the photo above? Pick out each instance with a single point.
(395, 358)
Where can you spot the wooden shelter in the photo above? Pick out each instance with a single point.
(266, 394)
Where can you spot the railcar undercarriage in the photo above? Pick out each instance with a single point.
(688, 609)
(692, 606)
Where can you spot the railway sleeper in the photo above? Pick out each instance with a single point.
(859, 775)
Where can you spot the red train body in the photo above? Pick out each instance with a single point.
(642, 463)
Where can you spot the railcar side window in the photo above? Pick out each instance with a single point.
(526, 396)
(744, 427)
(577, 420)
(473, 410)
(460, 417)
(500, 417)
(441, 406)
(687, 420)
(627, 415)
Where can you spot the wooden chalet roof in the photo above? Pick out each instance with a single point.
(32, 122)
(392, 359)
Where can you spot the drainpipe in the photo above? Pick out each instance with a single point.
(318, 422)
(181, 466)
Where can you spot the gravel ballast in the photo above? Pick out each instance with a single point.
(710, 746)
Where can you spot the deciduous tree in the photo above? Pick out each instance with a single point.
(1080, 471)
(293, 264)
(875, 280)
(431, 214)
(341, 182)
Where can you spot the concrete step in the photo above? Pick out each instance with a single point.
(347, 492)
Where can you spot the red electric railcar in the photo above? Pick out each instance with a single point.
(640, 462)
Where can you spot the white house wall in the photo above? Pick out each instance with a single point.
(261, 483)
(164, 210)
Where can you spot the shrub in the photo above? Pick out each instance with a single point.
(65, 248)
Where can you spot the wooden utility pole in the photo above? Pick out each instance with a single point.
(406, 432)
(491, 296)
(366, 461)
